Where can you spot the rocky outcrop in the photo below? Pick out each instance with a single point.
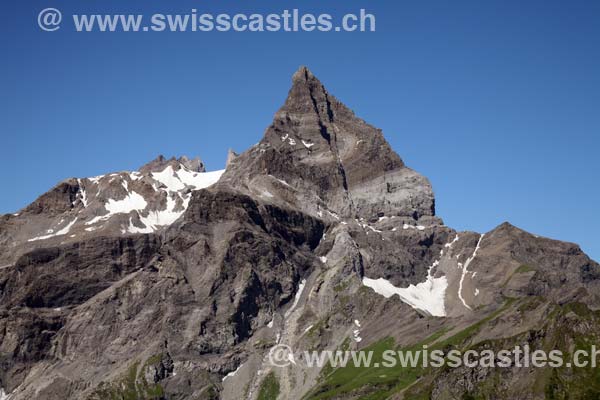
(160, 163)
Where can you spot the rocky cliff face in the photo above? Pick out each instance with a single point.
(174, 283)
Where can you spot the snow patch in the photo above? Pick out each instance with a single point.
(95, 179)
(308, 328)
(417, 227)
(428, 296)
(176, 181)
(171, 181)
(156, 219)
(4, 395)
(132, 202)
(323, 259)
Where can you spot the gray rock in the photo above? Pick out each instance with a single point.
(101, 306)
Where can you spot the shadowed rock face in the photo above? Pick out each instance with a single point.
(318, 237)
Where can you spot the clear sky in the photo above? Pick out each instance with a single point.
(497, 102)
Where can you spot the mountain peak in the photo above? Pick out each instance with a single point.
(319, 146)
(303, 74)
(308, 96)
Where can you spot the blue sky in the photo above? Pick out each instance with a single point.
(497, 102)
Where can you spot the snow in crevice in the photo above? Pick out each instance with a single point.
(83, 194)
(297, 298)
(449, 245)
(4, 395)
(465, 270)
(334, 215)
(232, 373)
(307, 144)
(365, 225)
(95, 179)
(308, 328)
(356, 336)
(280, 181)
(356, 332)
(52, 234)
(270, 324)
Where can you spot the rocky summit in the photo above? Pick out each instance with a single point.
(173, 283)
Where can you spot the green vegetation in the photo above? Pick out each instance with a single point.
(523, 269)
(269, 388)
(568, 328)
(376, 382)
(340, 287)
(132, 386)
(379, 382)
